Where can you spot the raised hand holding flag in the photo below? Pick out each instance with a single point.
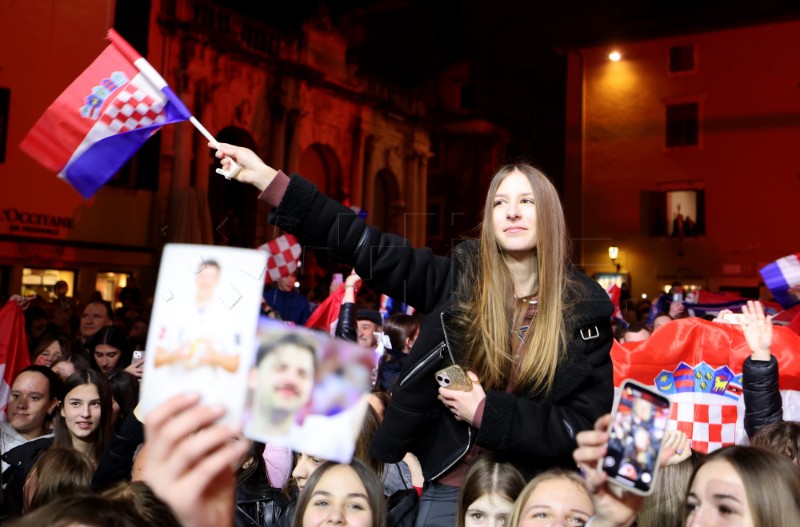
(104, 117)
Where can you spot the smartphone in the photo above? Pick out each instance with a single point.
(677, 297)
(455, 378)
(636, 433)
(337, 280)
(138, 355)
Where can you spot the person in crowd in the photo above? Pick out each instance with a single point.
(782, 437)
(636, 332)
(341, 494)
(83, 423)
(96, 316)
(488, 495)
(258, 503)
(32, 403)
(402, 331)
(660, 320)
(58, 472)
(665, 506)
(289, 303)
(51, 346)
(84, 510)
(539, 376)
(68, 364)
(137, 335)
(130, 295)
(124, 395)
(554, 497)
(357, 325)
(735, 485)
(36, 324)
(138, 495)
(110, 351)
(763, 404)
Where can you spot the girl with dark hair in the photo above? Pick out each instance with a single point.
(85, 419)
(258, 503)
(69, 364)
(58, 472)
(83, 422)
(342, 494)
(402, 331)
(534, 332)
(109, 351)
(124, 394)
(52, 346)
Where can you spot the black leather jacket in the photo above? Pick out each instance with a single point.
(763, 404)
(259, 507)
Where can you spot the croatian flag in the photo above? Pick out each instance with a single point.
(782, 277)
(103, 118)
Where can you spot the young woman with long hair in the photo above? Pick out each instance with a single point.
(488, 495)
(85, 418)
(534, 332)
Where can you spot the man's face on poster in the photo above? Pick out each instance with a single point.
(286, 378)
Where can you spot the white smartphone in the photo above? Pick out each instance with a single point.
(138, 355)
(636, 434)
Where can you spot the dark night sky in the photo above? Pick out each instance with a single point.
(515, 47)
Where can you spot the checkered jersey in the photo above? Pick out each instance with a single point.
(284, 252)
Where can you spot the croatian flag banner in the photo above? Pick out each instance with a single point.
(698, 364)
(283, 253)
(782, 277)
(103, 118)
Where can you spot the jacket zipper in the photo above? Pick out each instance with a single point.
(469, 429)
(436, 352)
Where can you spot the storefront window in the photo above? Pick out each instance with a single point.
(109, 285)
(40, 282)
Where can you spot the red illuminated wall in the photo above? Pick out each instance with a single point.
(746, 84)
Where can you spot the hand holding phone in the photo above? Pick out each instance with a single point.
(635, 437)
(455, 378)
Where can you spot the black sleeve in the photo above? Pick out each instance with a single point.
(762, 398)
(346, 325)
(117, 462)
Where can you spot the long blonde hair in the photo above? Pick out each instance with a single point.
(488, 309)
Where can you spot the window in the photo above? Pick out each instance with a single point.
(681, 58)
(682, 124)
(5, 99)
(40, 282)
(674, 213)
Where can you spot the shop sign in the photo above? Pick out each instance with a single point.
(22, 222)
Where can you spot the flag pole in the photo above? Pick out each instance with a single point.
(155, 78)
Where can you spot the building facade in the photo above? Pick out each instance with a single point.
(683, 154)
(293, 97)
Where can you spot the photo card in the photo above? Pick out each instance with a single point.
(203, 326)
(307, 391)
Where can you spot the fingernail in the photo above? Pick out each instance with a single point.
(680, 451)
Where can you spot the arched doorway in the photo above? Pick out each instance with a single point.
(320, 165)
(233, 205)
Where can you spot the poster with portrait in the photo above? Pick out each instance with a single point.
(307, 391)
(203, 326)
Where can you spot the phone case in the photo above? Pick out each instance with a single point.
(455, 378)
(640, 486)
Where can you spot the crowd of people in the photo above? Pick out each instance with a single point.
(522, 445)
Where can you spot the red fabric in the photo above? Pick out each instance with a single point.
(14, 356)
(283, 253)
(614, 293)
(327, 313)
(794, 325)
(694, 340)
(698, 364)
(707, 297)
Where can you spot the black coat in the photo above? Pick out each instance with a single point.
(532, 432)
(763, 404)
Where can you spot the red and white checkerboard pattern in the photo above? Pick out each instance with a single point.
(133, 108)
(709, 420)
(283, 254)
